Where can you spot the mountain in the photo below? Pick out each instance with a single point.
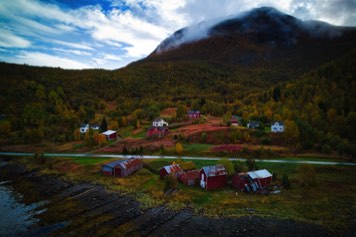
(262, 36)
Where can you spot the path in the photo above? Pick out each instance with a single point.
(178, 157)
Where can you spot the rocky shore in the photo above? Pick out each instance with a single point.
(88, 209)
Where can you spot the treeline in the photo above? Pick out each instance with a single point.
(50, 103)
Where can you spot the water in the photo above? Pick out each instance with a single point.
(15, 217)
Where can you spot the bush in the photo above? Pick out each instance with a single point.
(229, 166)
(266, 141)
(326, 149)
(170, 182)
(251, 164)
(239, 167)
(39, 158)
(307, 175)
(285, 181)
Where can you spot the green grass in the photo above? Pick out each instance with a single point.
(196, 148)
(141, 134)
(329, 203)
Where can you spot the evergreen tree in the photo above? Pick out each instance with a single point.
(104, 125)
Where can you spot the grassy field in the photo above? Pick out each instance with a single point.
(331, 202)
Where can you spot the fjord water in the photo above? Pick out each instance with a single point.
(15, 217)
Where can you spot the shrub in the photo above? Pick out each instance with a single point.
(326, 149)
(251, 164)
(307, 175)
(170, 182)
(239, 167)
(286, 182)
(229, 166)
(266, 141)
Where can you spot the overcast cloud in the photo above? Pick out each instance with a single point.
(111, 34)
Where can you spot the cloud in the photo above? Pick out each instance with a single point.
(132, 28)
(10, 40)
(42, 59)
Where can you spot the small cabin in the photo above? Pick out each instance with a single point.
(157, 131)
(110, 135)
(193, 114)
(262, 177)
(277, 126)
(159, 122)
(170, 169)
(213, 177)
(122, 168)
(189, 178)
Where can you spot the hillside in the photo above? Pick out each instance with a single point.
(242, 68)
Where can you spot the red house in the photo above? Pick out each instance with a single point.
(189, 177)
(192, 114)
(122, 168)
(110, 135)
(157, 131)
(252, 181)
(213, 177)
(170, 169)
(241, 181)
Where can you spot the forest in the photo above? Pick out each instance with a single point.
(317, 104)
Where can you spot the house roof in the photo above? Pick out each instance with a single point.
(254, 123)
(172, 168)
(83, 125)
(214, 170)
(192, 174)
(109, 132)
(125, 163)
(193, 112)
(279, 122)
(259, 174)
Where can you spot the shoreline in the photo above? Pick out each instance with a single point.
(90, 209)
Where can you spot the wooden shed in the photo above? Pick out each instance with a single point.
(170, 169)
(122, 168)
(213, 177)
(110, 135)
(189, 177)
(241, 181)
(262, 177)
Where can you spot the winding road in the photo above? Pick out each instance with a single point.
(178, 157)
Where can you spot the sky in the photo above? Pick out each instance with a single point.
(78, 34)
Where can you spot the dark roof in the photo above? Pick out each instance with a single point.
(84, 125)
(192, 174)
(193, 112)
(214, 170)
(172, 168)
(254, 123)
(125, 163)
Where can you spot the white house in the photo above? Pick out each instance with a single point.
(159, 122)
(277, 126)
(84, 128)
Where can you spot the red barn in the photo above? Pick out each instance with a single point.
(189, 177)
(194, 114)
(213, 177)
(262, 177)
(157, 131)
(122, 168)
(170, 169)
(241, 181)
(110, 135)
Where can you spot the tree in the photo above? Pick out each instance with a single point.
(113, 125)
(179, 148)
(104, 125)
(89, 138)
(100, 139)
(247, 136)
(181, 112)
(291, 134)
(239, 166)
(307, 175)
(276, 93)
(251, 164)
(76, 134)
(229, 166)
